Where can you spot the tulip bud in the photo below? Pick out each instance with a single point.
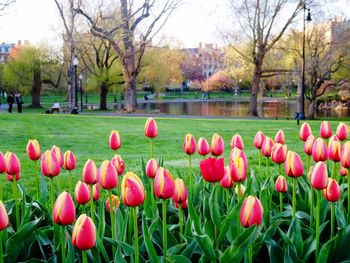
(342, 131)
(13, 165)
(203, 147)
(212, 169)
(50, 166)
(259, 139)
(151, 129)
(281, 184)
(180, 193)
(267, 146)
(325, 130)
(251, 212)
(82, 193)
(319, 176)
(70, 162)
(332, 191)
(2, 163)
(189, 145)
(63, 212)
(226, 181)
(217, 145)
(238, 169)
(334, 149)
(164, 186)
(84, 233)
(59, 156)
(4, 218)
(115, 204)
(114, 140)
(309, 143)
(90, 172)
(241, 189)
(305, 131)
(10, 177)
(279, 138)
(108, 177)
(343, 171)
(119, 164)
(33, 150)
(279, 153)
(293, 165)
(183, 205)
(345, 155)
(319, 150)
(133, 192)
(95, 192)
(237, 141)
(152, 168)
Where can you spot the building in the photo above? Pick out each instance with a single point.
(5, 50)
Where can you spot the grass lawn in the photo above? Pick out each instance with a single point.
(87, 137)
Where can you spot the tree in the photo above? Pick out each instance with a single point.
(129, 27)
(4, 4)
(218, 81)
(263, 23)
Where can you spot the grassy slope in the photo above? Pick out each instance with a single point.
(87, 137)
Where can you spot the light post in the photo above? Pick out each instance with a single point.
(81, 91)
(75, 63)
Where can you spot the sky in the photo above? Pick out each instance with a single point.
(193, 22)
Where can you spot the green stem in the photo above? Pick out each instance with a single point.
(227, 199)
(312, 207)
(37, 180)
(164, 231)
(239, 192)
(260, 162)
(70, 180)
(14, 189)
(294, 196)
(92, 206)
(281, 202)
(349, 197)
(1, 250)
(136, 232)
(152, 194)
(308, 162)
(63, 244)
(52, 192)
(151, 148)
(332, 218)
(279, 169)
(111, 212)
(83, 254)
(190, 171)
(180, 221)
(333, 170)
(267, 168)
(250, 253)
(318, 209)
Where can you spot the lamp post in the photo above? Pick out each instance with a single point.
(308, 19)
(75, 63)
(81, 91)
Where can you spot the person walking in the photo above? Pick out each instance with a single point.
(10, 100)
(19, 102)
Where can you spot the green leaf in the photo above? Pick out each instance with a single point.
(101, 221)
(148, 242)
(118, 258)
(70, 253)
(275, 252)
(189, 250)
(339, 215)
(178, 259)
(102, 249)
(194, 218)
(227, 223)
(294, 234)
(214, 207)
(206, 245)
(325, 249)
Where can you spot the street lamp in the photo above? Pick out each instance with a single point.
(308, 19)
(81, 91)
(75, 63)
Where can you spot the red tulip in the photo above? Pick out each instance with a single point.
(4, 218)
(189, 145)
(115, 204)
(217, 145)
(183, 205)
(114, 140)
(108, 177)
(238, 169)
(332, 191)
(2, 163)
(305, 131)
(343, 171)
(133, 192)
(334, 149)
(293, 165)
(203, 146)
(345, 155)
(90, 172)
(152, 168)
(325, 130)
(279, 138)
(63, 212)
(59, 156)
(251, 212)
(226, 181)
(84, 233)
(180, 193)
(259, 139)
(10, 177)
(13, 165)
(82, 193)
(319, 176)
(212, 169)
(237, 141)
(151, 129)
(319, 150)
(309, 143)
(33, 150)
(119, 164)
(267, 146)
(164, 186)
(281, 184)
(70, 163)
(50, 166)
(279, 153)
(342, 131)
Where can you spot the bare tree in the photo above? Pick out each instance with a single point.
(263, 23)
(4, 4)
(130, 28)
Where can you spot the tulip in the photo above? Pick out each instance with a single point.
(10, 177)
(203, 147)
(115, 204)
(309, 144)
(237, 141)
(189, 145)
(151, 130)
(2, 163)
(59, 156)
(164, 185)
(279, 153)
(238, 152)
(334, 151)
(319, 150)
(69, 163)
(238, 169)
(108, 177)
(50, 165)
(279, 137)
(84, 233)
(240, 190)
(114, 140)
(281, 187)
(226, 181)
(119, 164)
(82, 193)
(217, 145)
(212, 169)
(259, 139)
(251, 212)
(63, 212)
(152, 168)
(33, 150)
(342, 131)
(179, 197)
(332, 194)
(13, 165)
(4, 219)
(96, 192)
(183, 205)
(345, 155)
(325, 130)
(90, 172)
(305, 131)
(343, 171)
(267, 146)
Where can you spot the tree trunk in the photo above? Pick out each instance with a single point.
(312, 109)
(253, 105)
(103, 96)
(36, 87)
(130, 93)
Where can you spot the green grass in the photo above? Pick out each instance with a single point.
(87, 137)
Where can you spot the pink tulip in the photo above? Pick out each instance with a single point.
(267, 146)
(345, 155)
(305, 131)
(82, 193)
(189, 145)
(325, 130)
(334, 149)
(50, 166)
(183, 205)
(180, 194)
(319, 176)
(33, 150)
(152, 168)
(238, 169)
(119, 164)
(84, 233)
(108, 177)
(237, 141)
(259, 139)
(96, 192)
(151, 129)
(279, 138)
(4, 218)
(293, 165)
(343, 171)
(217, 145)
(90, 172)
(251, 212)
(13, 165)
(281, 184)
(115, 204)
(238, 152)
(114, 140)
(63, 212)
(133, 191)
(309, 143)
(69, 163)
(319, 150)
(10, 177)
(279, 153)
(342, 131)
(59, 156)
(332, 191)
(2, 163)
(203, 147)
(164, 186)
(226, 181)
